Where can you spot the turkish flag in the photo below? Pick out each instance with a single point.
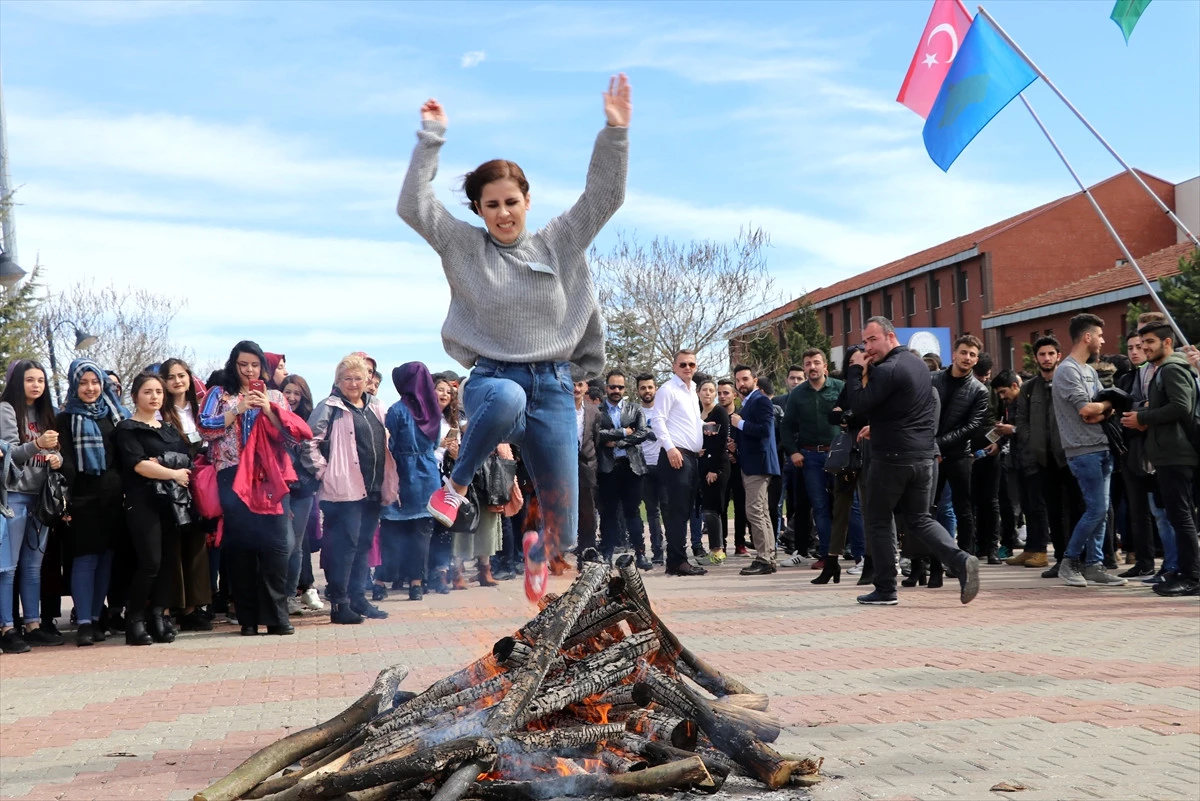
(944, 32)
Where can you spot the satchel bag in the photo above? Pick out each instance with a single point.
(52, 502)
(844, 455)
(204, 489)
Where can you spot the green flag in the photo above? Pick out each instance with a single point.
(1126, 14)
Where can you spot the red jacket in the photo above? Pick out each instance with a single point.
(265, 469)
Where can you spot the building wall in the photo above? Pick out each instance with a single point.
(1187, 207)
(1009, 338)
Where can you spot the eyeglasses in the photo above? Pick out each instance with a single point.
(685, 364)
(616, 386)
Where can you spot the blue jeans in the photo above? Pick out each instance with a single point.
(1093, 473)
(532, 405)
(1166, 533)
(26, 530)
(349, 530)
(297, 511)
(89, 584)
(945, 512)
(819, 486)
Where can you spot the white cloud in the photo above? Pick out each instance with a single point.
(473, 58)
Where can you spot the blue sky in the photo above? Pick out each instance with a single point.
(246, 157)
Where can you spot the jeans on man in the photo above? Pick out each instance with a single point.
(532, 405)
(349, 530)
(903, 487)
(679, 487)
(819, 486)
(1176, 485)
(1093, 472)
(619, 493)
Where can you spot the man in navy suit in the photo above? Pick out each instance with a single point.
(754, 432)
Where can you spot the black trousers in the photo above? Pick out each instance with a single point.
(1137, 505)
(678, 488)
(985, 497)
(713, 508)
(652, 497)
(586, 535)
(155, 539)
(1175, 486)
(957, 472)
(619, 496)
(906, 488)
(257, 548)
(737, 494)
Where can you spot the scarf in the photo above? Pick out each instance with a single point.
(273, 360)
(415, 385)
(85, 430)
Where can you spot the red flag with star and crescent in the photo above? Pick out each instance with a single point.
(944, 32)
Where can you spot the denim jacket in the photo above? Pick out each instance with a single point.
(416, 465)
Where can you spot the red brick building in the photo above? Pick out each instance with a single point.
(991, 274)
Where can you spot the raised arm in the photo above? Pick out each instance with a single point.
(604, 191)
(418, 205)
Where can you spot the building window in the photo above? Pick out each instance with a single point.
(910, 301)
(963, 287)
(866, 308)
(829, 322)
(887, 305)
(846, 318)
(935, 294)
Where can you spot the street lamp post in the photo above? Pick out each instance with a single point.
(10, 273)
(83, 341)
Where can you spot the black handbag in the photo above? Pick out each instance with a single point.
(52, 502)
(493, 481)
(844, 455)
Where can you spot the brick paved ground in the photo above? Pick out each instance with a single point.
(1077, 694)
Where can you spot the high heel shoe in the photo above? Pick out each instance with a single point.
(135, 632)
(485, 575)
(458, 580)
(917, 575)
(157, 627)
(832, 569)
(935, 574)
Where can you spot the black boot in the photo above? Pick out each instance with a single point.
(916, 573)
(84, 635)
(832, 569)
(935, 573)
(343, 614)
(157, 627)
(868, 572)
(135, 632)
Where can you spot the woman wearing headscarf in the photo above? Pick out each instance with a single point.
(414, 425)
(250, 429)
(299, 507)
(348, 454)
(93, 472)
(276, 370)
(27, 425)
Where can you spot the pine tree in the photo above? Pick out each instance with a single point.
(20, 314)
(1181, 293)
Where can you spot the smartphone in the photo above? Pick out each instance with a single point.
(258, 386)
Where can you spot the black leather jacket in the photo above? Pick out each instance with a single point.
(632, 417)
(965, 415)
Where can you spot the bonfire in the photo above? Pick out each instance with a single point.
(594, 696)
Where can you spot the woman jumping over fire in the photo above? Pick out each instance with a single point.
(522, 310)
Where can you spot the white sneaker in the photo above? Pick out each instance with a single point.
(312, 599)
(1069, 573)
(294, 606)
(795, 560)
(856, 570)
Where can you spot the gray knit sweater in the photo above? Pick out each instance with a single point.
(533, 300)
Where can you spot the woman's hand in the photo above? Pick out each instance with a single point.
(452, 448)
(47, 440)
(257, 400)
(433, 111)
(181, 477)
(54, 460)
(618, 105)
(504, 451)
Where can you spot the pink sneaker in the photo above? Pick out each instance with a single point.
(537, 574)
(443, 505)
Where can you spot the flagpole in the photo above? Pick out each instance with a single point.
(1016, 47)
(1112, 231)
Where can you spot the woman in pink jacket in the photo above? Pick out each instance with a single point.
(349, 456)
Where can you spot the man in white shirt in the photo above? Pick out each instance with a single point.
(651, 494)
(680, 432)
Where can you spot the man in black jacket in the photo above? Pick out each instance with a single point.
(901, 412)
(622, 428)
(964, 412)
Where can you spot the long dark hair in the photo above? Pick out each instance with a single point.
(140, 379)
(231, 381)
(451, 410)
(305, 407)
(190, 396)
(14, 395)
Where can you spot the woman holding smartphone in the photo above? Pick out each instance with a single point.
(520, 389)
(241, 418)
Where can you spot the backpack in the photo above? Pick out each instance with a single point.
(1192, 428)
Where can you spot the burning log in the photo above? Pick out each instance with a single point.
(705, 674)
(681, 774)
(399, 719)
(763, 762)
(659, 753)
(623, 761)
(280, 754)
(654, 724)
(562, 739)
(669, 693)
(756, 701)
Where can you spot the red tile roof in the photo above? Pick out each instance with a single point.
(1159, 264)
(912, 262)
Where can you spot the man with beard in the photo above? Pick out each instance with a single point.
(754, 432)
(622, 428)
(727, 400)
(651, 489)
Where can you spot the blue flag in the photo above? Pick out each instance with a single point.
(984, 78)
